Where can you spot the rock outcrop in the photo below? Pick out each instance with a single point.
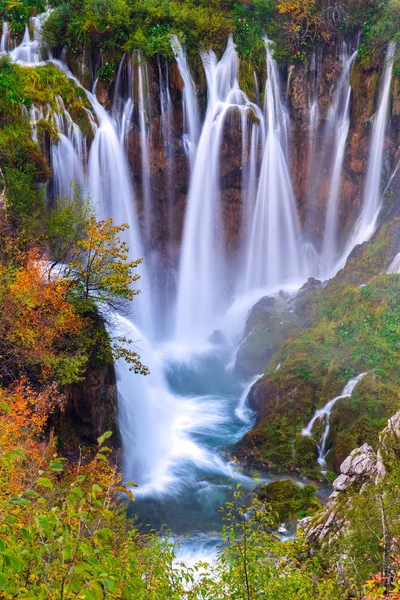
(364, 465)
(269, 323)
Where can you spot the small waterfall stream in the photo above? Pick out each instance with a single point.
(372, 200)
(324, 414)
(178, 422)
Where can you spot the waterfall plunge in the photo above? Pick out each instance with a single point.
(372, 201)
(273, 253)
(339, 123)
(201, 296)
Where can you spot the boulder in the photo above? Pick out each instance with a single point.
(269, 323)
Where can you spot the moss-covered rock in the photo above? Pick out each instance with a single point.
(289, 500)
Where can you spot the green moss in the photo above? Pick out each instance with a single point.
(23, 161)
(354, 329)
(289, 500)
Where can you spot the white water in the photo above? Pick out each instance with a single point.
(4, 38)
(372, 200)
(272, 254)
(339, 117)
(201, 298)
(190, 105)
(144, 120)
(30, 50)
(394, 267)
(324, 414)
(177, 422)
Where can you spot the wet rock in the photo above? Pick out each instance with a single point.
(269, 323)
(91, 407)
(301, 304)
(217, 338)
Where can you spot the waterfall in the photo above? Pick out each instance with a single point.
(325, 414)
(372, 200)
(147, 414)
(166, 126)
(30, 51)
(201, 295)
(68, 154)
(123, 102)
(144, 120)
(339, 117)
(4, 38)
(273, 252)
(191, 115)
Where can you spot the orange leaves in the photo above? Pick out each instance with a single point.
(36, 320)
(304, 24)
(24, 415)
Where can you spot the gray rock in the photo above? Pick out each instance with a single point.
(341, 483)
(361, 462)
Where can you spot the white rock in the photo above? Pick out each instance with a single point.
(341, 483)
(362, 461)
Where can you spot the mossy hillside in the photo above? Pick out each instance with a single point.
(23, 161)
(354, 329)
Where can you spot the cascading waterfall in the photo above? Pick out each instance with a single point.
(68, 154)
(372, 201)
(339, 121)
(144, 120)
(273, 255)
(166, 125)
(201, 294)
(175, 421)
(325, 414)
(30, 51)
(190, 106)
(4, 38)
(123, 104)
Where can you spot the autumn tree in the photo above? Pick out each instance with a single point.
(41, 333)
(100, 272)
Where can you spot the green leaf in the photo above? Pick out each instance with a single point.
(5, 407)
(3, 545)
(104, 437)
(43, 481)
(55, 466)
(26, 535)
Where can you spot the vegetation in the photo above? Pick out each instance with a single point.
(116, 26)
(355, 329)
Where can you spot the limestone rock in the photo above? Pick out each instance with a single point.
(361, 462)
(341, 483)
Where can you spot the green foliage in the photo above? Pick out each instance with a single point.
(144, 25)
(355, 329)
(18, 12)
(289, 500)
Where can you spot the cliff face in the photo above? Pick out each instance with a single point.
(91, 408)
(310, 148)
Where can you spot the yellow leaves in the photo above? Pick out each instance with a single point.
(36, 318)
